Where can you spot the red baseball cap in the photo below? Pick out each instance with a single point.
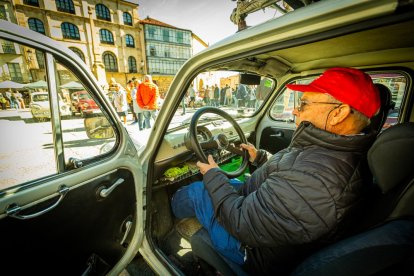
(347, 85)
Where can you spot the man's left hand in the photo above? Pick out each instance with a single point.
(204, 168)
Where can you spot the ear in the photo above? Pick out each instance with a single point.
(339, 114)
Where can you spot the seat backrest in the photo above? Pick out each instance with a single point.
(390, 214)
(387, 104)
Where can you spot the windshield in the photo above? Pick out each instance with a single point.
(224, 90)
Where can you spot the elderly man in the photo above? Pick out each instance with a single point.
(300, 195)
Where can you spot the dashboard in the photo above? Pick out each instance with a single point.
(176, 160)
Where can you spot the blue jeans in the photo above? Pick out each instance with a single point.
(194, 200)
(140, 121)
(147, 118)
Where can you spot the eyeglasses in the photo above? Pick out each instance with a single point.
(302, 103)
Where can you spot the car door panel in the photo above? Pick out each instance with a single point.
(88, 228)
(274, 138)
(82, 225)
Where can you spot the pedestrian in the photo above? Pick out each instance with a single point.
(8, 95)
(192, 95)
(207, 93)
(228, 96)
(139, 112)
(241, 95)
(216, 95)
(120, 102)
(14, 100)
(3, 101)
(130, 100)
(147, 98)
(300, 196)
(252, 97)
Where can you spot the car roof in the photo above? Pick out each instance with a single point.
(307, 39)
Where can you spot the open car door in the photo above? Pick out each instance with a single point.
(68, 185)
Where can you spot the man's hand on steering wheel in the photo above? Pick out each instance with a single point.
(204, 168)
(251, 150)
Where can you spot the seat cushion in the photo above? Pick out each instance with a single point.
(364, 254)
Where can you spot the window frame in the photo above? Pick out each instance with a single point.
(70, 31)
(132, 65)
(110, 65)
(127, 18)
(129, 41)
(102, 12)
(37, 24)
(78, 52)
(106, 37)
(34, 3)
(65, 6)
(17, 75)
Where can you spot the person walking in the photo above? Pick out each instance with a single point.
(228, 96)
(138, 111)
(130, 100)
(147, 98)
(192, 95)
(120, 102)
(207, 93)
(216, 96)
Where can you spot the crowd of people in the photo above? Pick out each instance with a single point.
(139, 97)
(13, 99)
(241, 96)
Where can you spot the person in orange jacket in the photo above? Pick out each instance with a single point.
(147, 98)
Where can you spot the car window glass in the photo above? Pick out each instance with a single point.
(397, 84)
(285, 103)
(27, 149)
(223, 89)
(282, 108)
(86, 131)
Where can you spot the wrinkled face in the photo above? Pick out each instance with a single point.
(316, 108)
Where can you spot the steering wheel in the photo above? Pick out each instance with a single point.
(219, 141)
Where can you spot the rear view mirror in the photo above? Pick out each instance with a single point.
(249, 79)
(98, 127)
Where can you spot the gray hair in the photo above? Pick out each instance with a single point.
(148, 78)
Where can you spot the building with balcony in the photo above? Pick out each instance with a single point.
(104, 34)
(167, 48)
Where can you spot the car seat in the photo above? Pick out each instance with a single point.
(388, 244)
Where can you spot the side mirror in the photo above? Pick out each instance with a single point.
(98, 128)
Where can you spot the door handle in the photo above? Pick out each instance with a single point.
(106, 191)
(14, 210)
(277, 134)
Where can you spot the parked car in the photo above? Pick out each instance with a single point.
(40, 106)
(71, 207)
(82, 103)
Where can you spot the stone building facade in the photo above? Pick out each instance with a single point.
(104, 34)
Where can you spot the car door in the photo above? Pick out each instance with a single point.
(69, 186)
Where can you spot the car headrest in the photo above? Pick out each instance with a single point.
(390, 157)
(379, 119)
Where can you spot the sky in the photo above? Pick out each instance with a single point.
(208, 19)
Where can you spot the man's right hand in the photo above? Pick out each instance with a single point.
(251, 150)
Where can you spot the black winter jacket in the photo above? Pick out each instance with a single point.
(297, 197)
